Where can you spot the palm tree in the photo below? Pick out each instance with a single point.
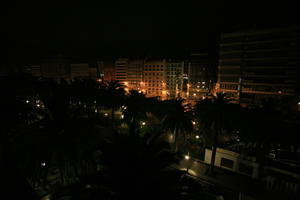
(11, 106)
(211, 114)
(135, 109)
(178, 119)
(114, 95)
(136, 167)
(57, 137)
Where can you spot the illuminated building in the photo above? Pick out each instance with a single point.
(174, 77)
(155, 78)
(134, 74)
(258, 64)
(128, 71)
(120, 67)
(109, 71)
(97, 71)
(197, 76)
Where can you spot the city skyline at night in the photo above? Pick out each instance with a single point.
(150, 101)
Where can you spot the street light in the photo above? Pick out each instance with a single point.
(197, 136)
(187, 157)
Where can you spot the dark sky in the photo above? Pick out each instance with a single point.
(97, 31)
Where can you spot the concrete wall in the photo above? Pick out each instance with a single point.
(238, 164)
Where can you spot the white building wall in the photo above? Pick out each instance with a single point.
(235, 158)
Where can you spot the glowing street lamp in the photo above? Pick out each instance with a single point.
(187, 157)
(197, 136)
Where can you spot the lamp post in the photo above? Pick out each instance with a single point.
(187, 157)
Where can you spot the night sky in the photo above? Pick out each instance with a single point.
(97, 31)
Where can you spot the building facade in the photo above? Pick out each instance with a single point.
(60, 67)
(56, 67)
(174, 78)
(79, 70)
(198, 69)
(120, 67)
(134, 74)
(109, 71)
(257, 64)
(155, 78)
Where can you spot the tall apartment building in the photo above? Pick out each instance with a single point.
(174, 78)
(257, 64)
(120, 67)
(134, 74)
(155, 78)
(109, 71)
(97, 71)
(198, 69)
(79, 70)
(56, 67)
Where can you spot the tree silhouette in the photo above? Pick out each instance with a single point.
(114, 96)
(135, 109)
(177, 119)
(211, 114)
(136, 167)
